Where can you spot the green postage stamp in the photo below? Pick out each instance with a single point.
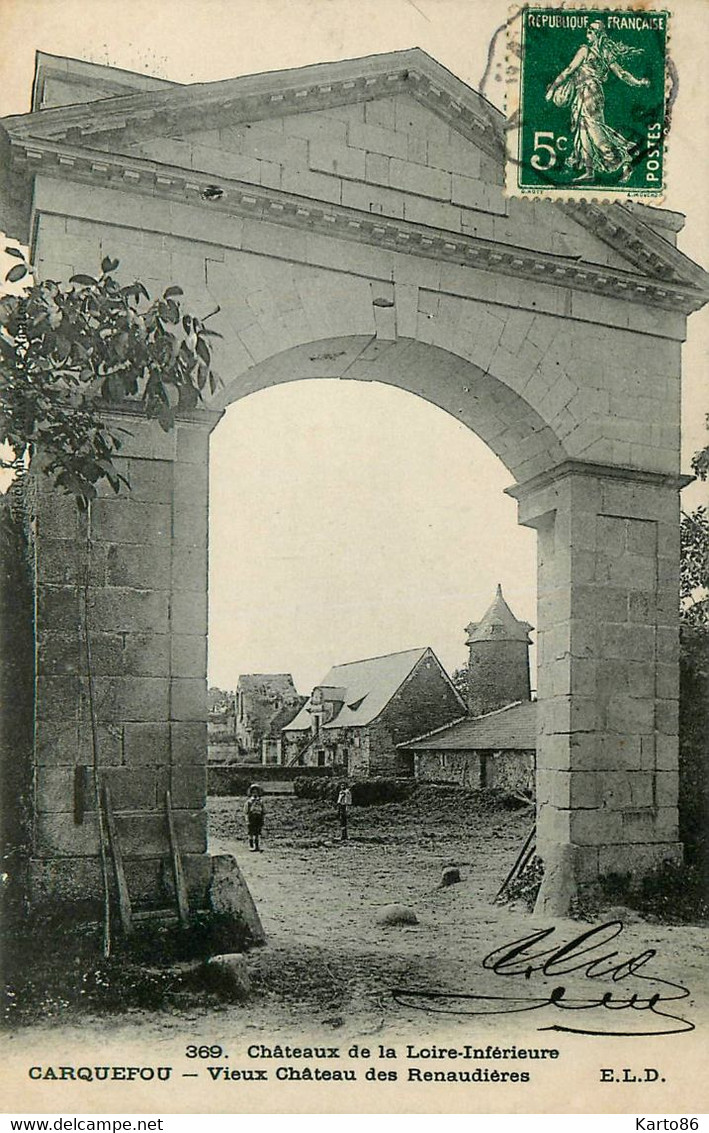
(587, 102)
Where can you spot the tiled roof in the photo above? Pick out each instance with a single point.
(281, 683)
(513, 728)
(498, 623)
(369, 686)
(283, 717)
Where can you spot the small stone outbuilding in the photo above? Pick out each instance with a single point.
(497, 750)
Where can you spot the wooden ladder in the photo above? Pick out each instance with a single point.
(125, 907)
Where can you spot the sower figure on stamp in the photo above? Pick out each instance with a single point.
(254, 811)
(596, 147)
(344, 802)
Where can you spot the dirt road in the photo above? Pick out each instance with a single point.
(330, 965)
(329, 961)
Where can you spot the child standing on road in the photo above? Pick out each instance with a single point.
(254, 811)
(344, 802)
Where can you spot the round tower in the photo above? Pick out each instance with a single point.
(498, 669)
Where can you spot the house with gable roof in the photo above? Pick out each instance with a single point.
(357, 716)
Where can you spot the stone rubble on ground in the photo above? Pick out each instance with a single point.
(397, 915)
(231, 972)
(449, 876)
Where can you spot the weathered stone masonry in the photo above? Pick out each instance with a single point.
(608, 649)
(349, 219)
(147, 616)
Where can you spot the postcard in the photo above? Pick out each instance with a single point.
(355, 594)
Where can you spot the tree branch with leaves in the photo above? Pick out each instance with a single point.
(694, 554)
(70, 351)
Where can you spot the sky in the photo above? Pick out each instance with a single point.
(361, 520)
(351, 519)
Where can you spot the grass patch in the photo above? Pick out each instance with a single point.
(54, 967)
(675, 894)
(670, 894)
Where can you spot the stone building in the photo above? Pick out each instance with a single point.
(264, 703)
(361, 711)
(494, 750)
(495, 744)
(272, 741)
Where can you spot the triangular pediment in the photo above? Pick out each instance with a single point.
(253, 97)
(59, 81)
(396, 135)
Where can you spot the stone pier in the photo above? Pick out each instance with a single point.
(135, 571)
(608, 650)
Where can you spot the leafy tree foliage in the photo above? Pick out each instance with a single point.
(218, 698)
(694, 567)
(70, 350)
(694, 563)
(700, 460)
(694, 679)
(460, 680)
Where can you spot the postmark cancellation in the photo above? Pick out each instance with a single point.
(588, 94)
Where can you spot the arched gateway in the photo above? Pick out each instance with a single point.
(350, 221)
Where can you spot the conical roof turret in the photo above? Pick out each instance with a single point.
(498, 623)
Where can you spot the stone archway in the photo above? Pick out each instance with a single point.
(509, 425)
(350, 222)
(605, 638)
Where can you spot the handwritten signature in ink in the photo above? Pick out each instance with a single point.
(587, 954)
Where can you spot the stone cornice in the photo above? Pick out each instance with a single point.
(636, 241)
(243, 199)
(598, 472)
(114, 123)
(109, 82)
(203, 417)
(274, 94)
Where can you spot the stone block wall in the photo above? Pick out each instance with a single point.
(510, 771)
(426, 700)
(461, 767)
(496, 770)
(607, 771)
(377, 755)
(498, 674)
(134, 570)
(540, 373)
(294, 743)
(388, 156)
(338, 747)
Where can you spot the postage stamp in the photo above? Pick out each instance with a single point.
(587, 95)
